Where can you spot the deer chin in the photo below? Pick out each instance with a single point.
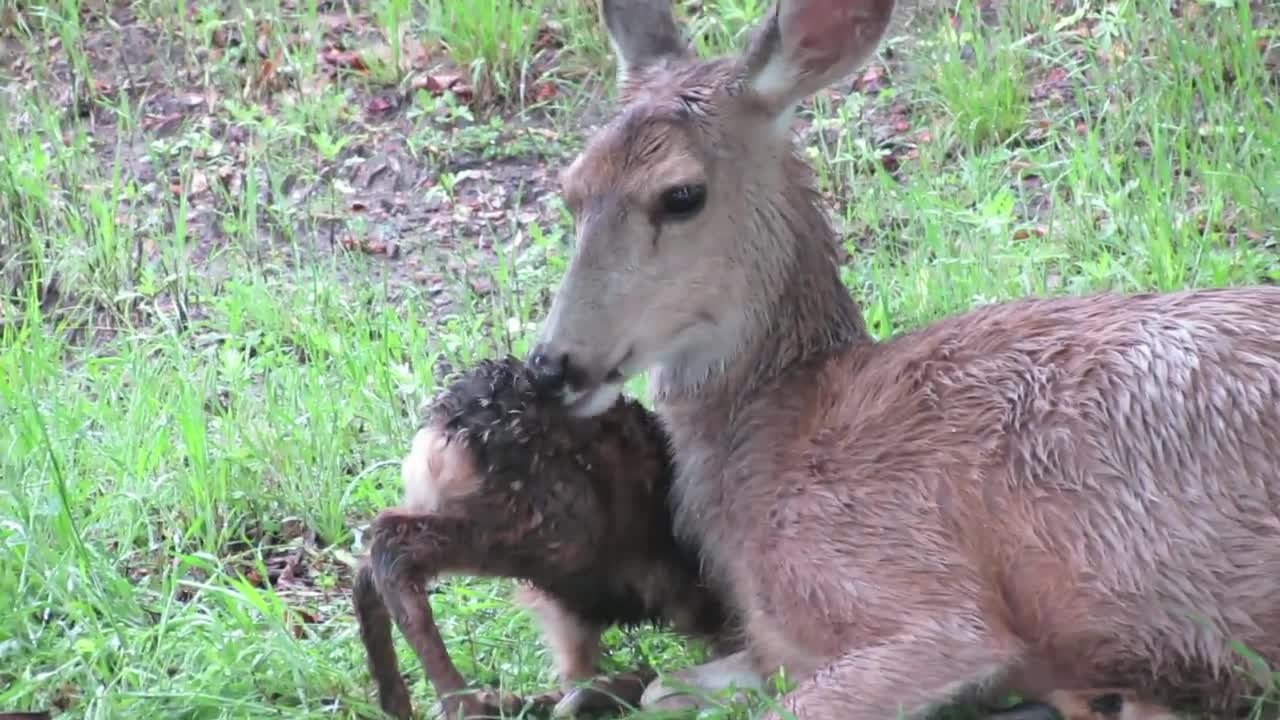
(596, 398)
(592, 401)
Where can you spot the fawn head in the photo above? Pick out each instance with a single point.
(690, 203)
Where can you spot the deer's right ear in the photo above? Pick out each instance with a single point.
(642, 32)
(805, 45)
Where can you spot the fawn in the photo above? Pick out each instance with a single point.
(502, 481)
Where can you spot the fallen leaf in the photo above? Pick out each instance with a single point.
(463, 91)
(373, 247)
(335, 21)
(437, 82)
(266, 73)
(297, 618)
(549, 37)
(153, 122)
(343, 58)
(224, 37)
(199, 182)
(1024, 233)
(264, 41)
(379, 105)
(544, 91)
(480, 284)
(871, 80)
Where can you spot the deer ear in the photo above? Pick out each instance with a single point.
(805, 45)
(642, 33)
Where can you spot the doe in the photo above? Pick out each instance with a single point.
(1046, 496)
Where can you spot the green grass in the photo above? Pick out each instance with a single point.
(242, 241)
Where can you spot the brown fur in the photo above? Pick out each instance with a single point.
(501, 481)
(1048, 496)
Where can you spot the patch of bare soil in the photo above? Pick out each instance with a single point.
(312, 139)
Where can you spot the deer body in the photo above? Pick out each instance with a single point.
(1047, 495)
(1041, 495)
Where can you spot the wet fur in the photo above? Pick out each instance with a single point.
(1047, 496)
(502, 482)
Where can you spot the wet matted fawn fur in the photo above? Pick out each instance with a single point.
(1045, 496)
(502, 481)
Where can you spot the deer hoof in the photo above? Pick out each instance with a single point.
(665, 697)
(689, 689)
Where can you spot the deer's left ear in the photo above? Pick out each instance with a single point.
(642, 32)
(803, 46)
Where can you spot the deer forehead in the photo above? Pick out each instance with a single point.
(667, 131)
(634, 162)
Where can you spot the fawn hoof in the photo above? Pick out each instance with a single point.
(395, 702)
(1027, 711)
(578, 701)
(610, 694)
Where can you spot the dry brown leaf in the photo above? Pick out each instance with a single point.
(1024, 233)
(543, 92)
(343, 59)
(871, 80)
(379, 105)
(199, 182)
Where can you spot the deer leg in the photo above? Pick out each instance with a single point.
(906, 676)
(733, 670)
(380, 654)
(407, 549)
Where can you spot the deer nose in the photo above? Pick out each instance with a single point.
(550, 367)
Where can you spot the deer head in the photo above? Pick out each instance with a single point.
(694, 217)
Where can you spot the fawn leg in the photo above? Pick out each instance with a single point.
(375, 633)
(905, 676)
(408, 548)
(1107, 704)
(575, 647)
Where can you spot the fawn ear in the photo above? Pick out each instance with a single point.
(642, 32)
(803, 46)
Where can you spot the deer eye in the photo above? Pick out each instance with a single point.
(683, 201)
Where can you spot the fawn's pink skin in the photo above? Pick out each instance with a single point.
(1047, 495)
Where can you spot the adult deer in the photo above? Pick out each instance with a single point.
(1044, 495)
